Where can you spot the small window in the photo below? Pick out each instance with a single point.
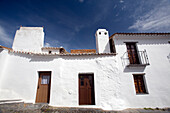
(99, 33)
(45, 79)
(62, 50)
(105, 33)
(139, 84)
(50, 52)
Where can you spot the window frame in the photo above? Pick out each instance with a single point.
(144, 84)
(136, 50)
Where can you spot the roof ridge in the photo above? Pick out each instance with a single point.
(142, 33)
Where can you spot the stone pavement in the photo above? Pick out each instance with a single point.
(44, 108)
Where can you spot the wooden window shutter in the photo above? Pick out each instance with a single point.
(139, 84)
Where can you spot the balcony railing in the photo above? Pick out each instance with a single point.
(139, 58)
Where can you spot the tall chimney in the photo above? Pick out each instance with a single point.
(102, 41)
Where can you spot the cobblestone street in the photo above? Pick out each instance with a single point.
(43, 108)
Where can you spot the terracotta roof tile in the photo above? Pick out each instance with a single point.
(83, 51)
(82, 54)
(5, 47)
(51, 47)
(139, 34)
(63, 54)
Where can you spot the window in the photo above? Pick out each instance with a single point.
(50, 52)
(62, 50)
(45, 79)
(139, 84)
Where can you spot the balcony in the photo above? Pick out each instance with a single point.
(135, 59)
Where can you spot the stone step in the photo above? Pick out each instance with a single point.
(11, 101)
(21, 107)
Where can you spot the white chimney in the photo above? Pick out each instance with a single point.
(29, 39)
(102, 41)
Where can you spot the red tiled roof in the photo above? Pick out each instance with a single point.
(5, 47)
(82, 54)
(83, 51)
(139, 34)
(63, 54)
(51, 47)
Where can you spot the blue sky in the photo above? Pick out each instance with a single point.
(72, 23)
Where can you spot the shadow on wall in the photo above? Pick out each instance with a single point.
(35, 58)
(43, 58)
(88, 57)
(168, 57)
(1, 50)
(107, 45)
(134, 69)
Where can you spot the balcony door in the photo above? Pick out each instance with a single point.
(132, 53)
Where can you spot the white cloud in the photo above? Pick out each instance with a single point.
(56, 43)
(47, 45)
(4, 37)
(157, 19)
(81, 1)
(115, 6)
(121, 1)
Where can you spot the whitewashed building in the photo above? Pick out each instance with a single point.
(127, 70)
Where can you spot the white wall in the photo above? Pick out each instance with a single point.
(3, 62)
(29, 39)
(157, 74)
(114, 84)
(21, 78)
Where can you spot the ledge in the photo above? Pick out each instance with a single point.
(137, 65)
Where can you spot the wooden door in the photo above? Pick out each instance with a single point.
(43, 89)
(132, 53)
(86, 89)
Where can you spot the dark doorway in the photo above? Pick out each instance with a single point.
(86, 89)
(43, 89)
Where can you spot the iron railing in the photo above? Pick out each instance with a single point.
(139, 59)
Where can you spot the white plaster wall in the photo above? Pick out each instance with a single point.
(114, 84)
(102, 41)
(106, 82)
(29, 39)
(157, 74)
(21, 78)
(3, 62)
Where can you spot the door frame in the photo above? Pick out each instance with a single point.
(38, 73)
(94, 88)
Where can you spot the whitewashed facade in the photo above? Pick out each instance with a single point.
(112, 71)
